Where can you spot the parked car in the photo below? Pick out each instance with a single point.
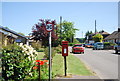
(98, 45)
(92, 44)
(78, 48)
(117, 47)
(83, 45)
(88, 45)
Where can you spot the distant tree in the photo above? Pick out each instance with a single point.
(6, 27)
(21, 33)
(39, 32)
(98, 38)
(87, 34)
(68, 31)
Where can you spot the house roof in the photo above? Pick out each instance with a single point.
(101, 32)
(114, 35)
(104, 33)
(11, 31)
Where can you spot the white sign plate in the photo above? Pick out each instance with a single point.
(49, 27)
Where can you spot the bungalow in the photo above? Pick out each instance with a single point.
(114, 37)
(103, 33)
(8, 36)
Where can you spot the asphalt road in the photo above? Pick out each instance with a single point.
(103, 62)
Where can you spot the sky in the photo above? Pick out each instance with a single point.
(21, 16)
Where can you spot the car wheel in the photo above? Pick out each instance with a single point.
(116, 51)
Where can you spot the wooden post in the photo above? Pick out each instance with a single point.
(39, 71)
(65, 65)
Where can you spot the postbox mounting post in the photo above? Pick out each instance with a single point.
(64, 54)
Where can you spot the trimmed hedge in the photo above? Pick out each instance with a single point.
(71, 44)
(108, 45)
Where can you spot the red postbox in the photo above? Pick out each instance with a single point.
(64, 48)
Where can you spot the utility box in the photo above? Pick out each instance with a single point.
(64, 48)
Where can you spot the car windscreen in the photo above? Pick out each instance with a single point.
(99, 43)
(118, 43)
(78, 46)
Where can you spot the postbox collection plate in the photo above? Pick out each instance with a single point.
(64, 48)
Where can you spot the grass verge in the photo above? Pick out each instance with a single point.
(74, 65)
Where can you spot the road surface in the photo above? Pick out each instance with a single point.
(103, 62)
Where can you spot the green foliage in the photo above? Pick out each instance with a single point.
(109, 43)
(46, 51)
(98, 38)
(43, 72)
(88, 33)
(74, 66)
(44, 68)
(71, 44)
(68, 31)
(21, 33)
(17, 61)
(58, 49)
(6, 27)
(75, 40)
(37, 46)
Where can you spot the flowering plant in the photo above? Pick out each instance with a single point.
(28, 50)
(42, 66)
(17, 61)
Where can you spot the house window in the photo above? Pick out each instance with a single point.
(18, 40)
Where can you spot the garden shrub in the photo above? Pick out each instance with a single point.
(17, 61)
(47, 56)
(75, 40)
(108, 45)
(46, 51)
(37, 46)
(58, 49)
(43, 72)
(71, 44)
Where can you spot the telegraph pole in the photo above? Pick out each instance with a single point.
(82, 36)
(60, 26)
(95, 27)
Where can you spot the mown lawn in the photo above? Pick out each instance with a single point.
(74, 65)
(40, 55)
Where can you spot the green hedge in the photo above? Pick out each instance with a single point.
(109, 43)
(71, 44)
(17, 62)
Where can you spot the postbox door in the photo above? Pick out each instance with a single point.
(64, 48)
